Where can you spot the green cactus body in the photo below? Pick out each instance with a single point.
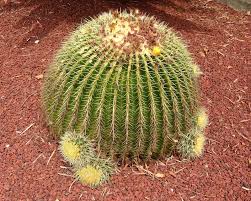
(127, 82)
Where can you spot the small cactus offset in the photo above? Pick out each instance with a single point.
(89, 168)
(125, 86)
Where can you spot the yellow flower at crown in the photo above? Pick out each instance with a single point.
(156, 51)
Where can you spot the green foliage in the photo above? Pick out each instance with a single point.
(128, 83)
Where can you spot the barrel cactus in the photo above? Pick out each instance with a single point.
(125, 84)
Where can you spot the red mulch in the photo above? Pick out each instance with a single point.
(219, 39)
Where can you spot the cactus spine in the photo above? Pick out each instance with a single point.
(126, 82)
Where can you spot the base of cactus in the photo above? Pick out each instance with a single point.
(92, 170)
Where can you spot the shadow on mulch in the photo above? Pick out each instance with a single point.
(46, 15)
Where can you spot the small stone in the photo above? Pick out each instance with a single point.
(36, 41)
(7, 146)
(6, 187)
(159, 175)
(39, 77)
(206, 50)
(202, 54)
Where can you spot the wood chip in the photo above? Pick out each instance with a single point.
(51, 156)
(247, 189)
(66, 175)
(38, 158)
(26, 129)
(172, 174)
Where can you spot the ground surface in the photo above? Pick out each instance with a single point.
(31, 169)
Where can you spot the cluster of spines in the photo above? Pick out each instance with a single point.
(192, 144)
(89, 168)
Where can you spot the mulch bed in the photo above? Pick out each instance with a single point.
(219, 40)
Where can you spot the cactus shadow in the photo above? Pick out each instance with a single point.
(161, 9)
(46, 15)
